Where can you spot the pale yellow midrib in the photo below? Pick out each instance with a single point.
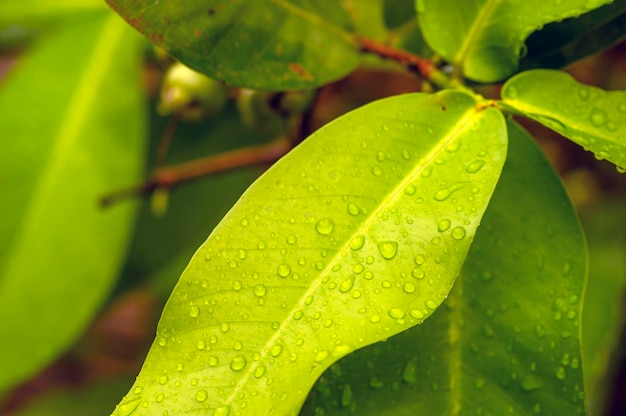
(474, 32)
(68, 133)
(430, 157)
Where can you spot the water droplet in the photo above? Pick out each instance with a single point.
(224, 327)
(420, 259)
(194, 311)
(622, 108)
(560, 373)
(321, 355)
(583, 92)
(201, 344)
(244, 222)
(125, 409)
(428, 170)
(410, 190)
(221, 411)
(347, 284)
(531, 382)
(201, 395)
(380, 156)
(284, 270)
(292, 239)
(353, 209)
(276, 350)
(598, 117)
(431, 304)
(445, 193)
(213, 360)
(357, 242)
(374, 319)
(475, 166)
(511, 92)
(388, 249)
(443, 225)
(405, 155)
(409, 288)
(458, 233)
(377, 171)
(163, 379)
(260, 290)
(238, 363)
(418, 273)
(346, 396)
(325, 226)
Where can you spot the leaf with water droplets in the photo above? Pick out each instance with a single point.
(271, 44)
(350, 279)
(592, 117)
(506, 341)
(485, 38)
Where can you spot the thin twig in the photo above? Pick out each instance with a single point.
(169, 177)
(422, 66)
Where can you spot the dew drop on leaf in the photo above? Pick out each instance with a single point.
(431, 304)
(531, 382)
(409, 288)
(238, 363)
(201, 395)
(194, 311)
(321, 355)
(346, 396)
(458, 233)
(443, 225)
(418, 273)
(260, 290)
(259, 371)
(284, 270)
(347, 284)
(475, 166)
(445, 193)
(357, 242)
(388, 249)
(396, 313)
(598, 117)
(560, 373)
(325, 226)
(377, 171)
(225, 327)
(409, 375)
(276, 350)
(221, 411)
(126, 409)
(353, 209)
(420, 259)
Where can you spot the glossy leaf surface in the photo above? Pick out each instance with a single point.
(354, 236)
(12, 12)
(506, 341)
(562, 43)
(271, 44)
(589, 116)
(73, 130)
(484, 38)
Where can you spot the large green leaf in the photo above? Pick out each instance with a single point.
(589, 116)
(354, 236)
(506, 341)
(484, 37)
(72, 130)
(273, 44)
(562, 43)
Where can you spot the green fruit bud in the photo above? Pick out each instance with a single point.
(190, 94)
(256, 113)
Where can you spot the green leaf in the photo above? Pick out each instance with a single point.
(484, 38)
(73, 130)
(589, 116)
(354, 236)
(367, 17)
(271, 44)
(506, 341)
(602, 321)
(559, 44)
(12, 12)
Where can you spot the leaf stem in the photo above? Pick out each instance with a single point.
(169, 177)
(422, 66)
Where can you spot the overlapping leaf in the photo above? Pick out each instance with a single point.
(272, 44)
(506, 341)
(484, 38)
(562, 43)
(589, 116)
(72, 130)
(356, 235)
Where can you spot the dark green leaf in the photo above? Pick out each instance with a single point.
(562, 43)
(506, 341)
(484, 38)
(73, 130)
(589, 116)
(314, 261)
(271, 44)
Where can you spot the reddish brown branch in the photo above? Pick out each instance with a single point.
(169, 177)
(424, 67)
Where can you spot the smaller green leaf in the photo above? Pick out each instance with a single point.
(562, 43)
(592, 117)
(484, 38)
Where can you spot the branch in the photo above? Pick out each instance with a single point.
(169, 177)
(422, 66)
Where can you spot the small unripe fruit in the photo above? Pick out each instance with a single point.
(256, 113)
(190, 94)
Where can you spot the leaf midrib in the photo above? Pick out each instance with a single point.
(475, 30)
(453, 133)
